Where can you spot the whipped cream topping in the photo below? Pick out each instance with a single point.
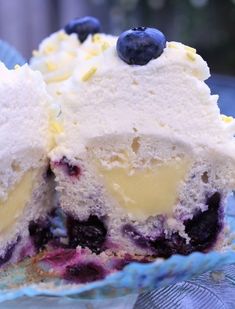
(167, 97)
(59, 53)
(24, 127)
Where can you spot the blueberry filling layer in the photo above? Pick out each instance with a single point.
(90, 233)
(203, 230)
(40, 232)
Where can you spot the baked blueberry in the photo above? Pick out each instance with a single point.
(204, 227)
(40, 232)
(140, 45)
(138, 239)
(203, 230)
(83, 27)
(8, 254)
(90, 233)
(165, 247)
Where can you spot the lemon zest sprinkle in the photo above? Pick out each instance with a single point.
(95, 52)
(56, 127)
(62, 36)
(89, 74)
(191, 56)
(105, 46)
(92, 53)
(59, 78)
(96, 38)
(88, 57)
(190, 49)
(227, 119)
(50, 48)
(172, 45)
(17, 66)
(51, 66)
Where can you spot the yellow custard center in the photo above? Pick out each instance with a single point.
(149, 191)
(12, 208)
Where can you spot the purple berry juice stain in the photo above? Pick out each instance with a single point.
(71, 170)
(59, 257)
(84, 272)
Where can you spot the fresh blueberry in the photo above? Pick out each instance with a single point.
(83, 27)
(140, 45)
(90, 233)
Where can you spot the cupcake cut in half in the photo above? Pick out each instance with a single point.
(145, 161)
(25, 189)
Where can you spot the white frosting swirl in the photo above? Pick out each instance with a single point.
(59, 53)
(24, 124)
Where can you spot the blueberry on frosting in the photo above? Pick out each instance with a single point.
(83, 27)
(140, 45)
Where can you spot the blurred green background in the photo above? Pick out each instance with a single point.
(208, 25)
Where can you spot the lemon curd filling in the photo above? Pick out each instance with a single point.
(148, 191)
(12, 208)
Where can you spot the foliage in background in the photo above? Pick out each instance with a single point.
(209, 25)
